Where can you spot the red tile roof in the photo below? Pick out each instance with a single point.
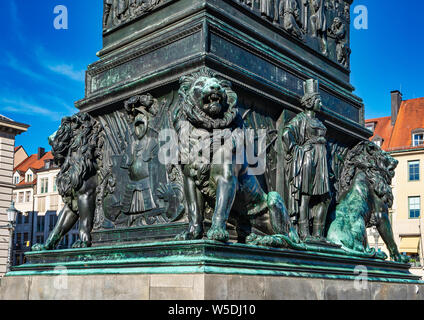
(410, 117)
(24, 184)
(382, 128)
(399, 137)
(33, 162)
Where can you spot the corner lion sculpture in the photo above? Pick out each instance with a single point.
(76, 148)
(208, 104)
(364, 201)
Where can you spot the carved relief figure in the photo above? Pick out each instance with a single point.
(140, 6)
(364, 201)
(209, 104)
(319, 24)
(107, 10)
(346, 12)
(306, 167)
(76, 148)
(291, 16)
(247, 2)
(338, 32)
(138, 195)
(141, 194)
(120, 11)
(117, 12)
(267, 8)
(305, 13)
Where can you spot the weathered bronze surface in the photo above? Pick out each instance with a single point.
(77, 150)
(175, 75)
(306, 167)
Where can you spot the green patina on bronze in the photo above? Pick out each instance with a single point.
(208, 257)
(234, 66)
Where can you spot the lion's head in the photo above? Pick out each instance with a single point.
(207, 101)
(378, 166)
(76, 149)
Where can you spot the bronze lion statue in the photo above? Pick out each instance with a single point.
(208, 104)
(364, 201)
(76, 148)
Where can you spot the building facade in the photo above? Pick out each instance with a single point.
(8, 131)
(402, 135)
(36, 196)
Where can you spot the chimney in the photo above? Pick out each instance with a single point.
(396, 102)
(41, 153)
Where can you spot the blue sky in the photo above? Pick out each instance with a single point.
(42, 69)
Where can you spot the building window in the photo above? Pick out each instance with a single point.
(44, 185)
(16, 181)
(54, 203)
(42, 204)
(54, 184)
(417, 139)
(40, 224)
(21, 197)
(370, 126)
(414, 170)
(414, 207)
(40, 239)
(17, 260)
(26, 240)
(18, 238)
(52, 222)
(28, 196)
(29, 177)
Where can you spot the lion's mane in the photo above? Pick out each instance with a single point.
(189, 110)
(76, 149)
(375, 163)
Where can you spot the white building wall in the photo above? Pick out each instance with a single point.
(7, 145)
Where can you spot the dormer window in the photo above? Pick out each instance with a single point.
(370, 126)
(16, 180)
(417, 139)
(378, 140)
(28, 177)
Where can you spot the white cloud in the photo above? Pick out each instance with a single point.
(14, 64)
(68, 71)
(19, 105)
(16, 22)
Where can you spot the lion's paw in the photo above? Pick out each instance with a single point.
(38, 247)
(81, 244)
(273, 241)
(218, 234)
(252, 239)
(381, 255)
(401, 258)
(189, 235)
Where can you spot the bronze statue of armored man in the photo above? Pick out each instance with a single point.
(306, 167)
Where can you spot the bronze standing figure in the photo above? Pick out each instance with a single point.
(306, 165)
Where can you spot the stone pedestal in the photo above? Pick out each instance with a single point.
(200, 287)
(147, 49)
(206, 270)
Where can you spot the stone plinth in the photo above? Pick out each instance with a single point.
(206, 270)
(200, 287)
